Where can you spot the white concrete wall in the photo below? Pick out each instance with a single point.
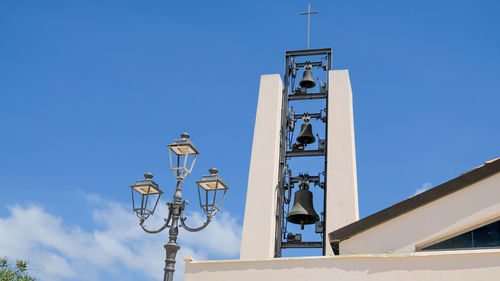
(464, 210)
(342, 184)
(257, 241)
(481, 265)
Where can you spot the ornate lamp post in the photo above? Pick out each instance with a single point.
(211, 193)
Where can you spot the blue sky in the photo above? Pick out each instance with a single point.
(91, 91)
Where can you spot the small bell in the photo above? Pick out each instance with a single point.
(306, 135)
(303, 209)
(307, 80)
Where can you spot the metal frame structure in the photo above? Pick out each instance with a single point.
(289, 95)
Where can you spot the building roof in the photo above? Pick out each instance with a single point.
(488, 169)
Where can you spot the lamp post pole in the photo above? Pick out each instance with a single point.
(210, 184)
(172, 247)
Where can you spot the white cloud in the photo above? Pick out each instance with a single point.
(221, 236)
(426, 186)
(118, 249)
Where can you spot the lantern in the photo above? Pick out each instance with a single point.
(186, 156)
(148, 193)
(211, 192)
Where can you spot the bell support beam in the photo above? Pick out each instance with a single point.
(309, 52)
(311, 96)
(296, 245)
(305, 153)
(312, 115)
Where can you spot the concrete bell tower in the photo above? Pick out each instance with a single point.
(271, 180)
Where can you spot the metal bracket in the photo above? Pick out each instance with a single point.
(308, 63)
(319, 227)
(318, 116)
(322, 87)
(321, 143)
(293, 68)
(300, 91)
(305, 178)
(290, 237)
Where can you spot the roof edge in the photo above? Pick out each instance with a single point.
(488, 169)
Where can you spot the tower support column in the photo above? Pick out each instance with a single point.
(259, 225)
(342, 185)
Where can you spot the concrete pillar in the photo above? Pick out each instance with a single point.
(341, 178)
(257, 240)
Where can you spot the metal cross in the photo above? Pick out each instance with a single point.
(308, 13)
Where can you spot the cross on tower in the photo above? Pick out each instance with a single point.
(308, 13)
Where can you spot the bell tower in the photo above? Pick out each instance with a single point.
(302, 179)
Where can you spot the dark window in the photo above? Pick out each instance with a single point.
(487, 236)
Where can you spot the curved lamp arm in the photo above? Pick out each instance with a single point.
(183, 219)
(155, 231)
(167, 221)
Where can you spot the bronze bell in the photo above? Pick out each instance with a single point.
(303, 209)
(307, 80)
(306, 135)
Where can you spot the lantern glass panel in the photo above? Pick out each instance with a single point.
(183, 147)
(182, 165)
(211, 182)
(145, 187)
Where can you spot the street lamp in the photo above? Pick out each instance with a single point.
(211, 193)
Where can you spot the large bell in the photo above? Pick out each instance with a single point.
(303, 209)
(307, 80)
(306, 135)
